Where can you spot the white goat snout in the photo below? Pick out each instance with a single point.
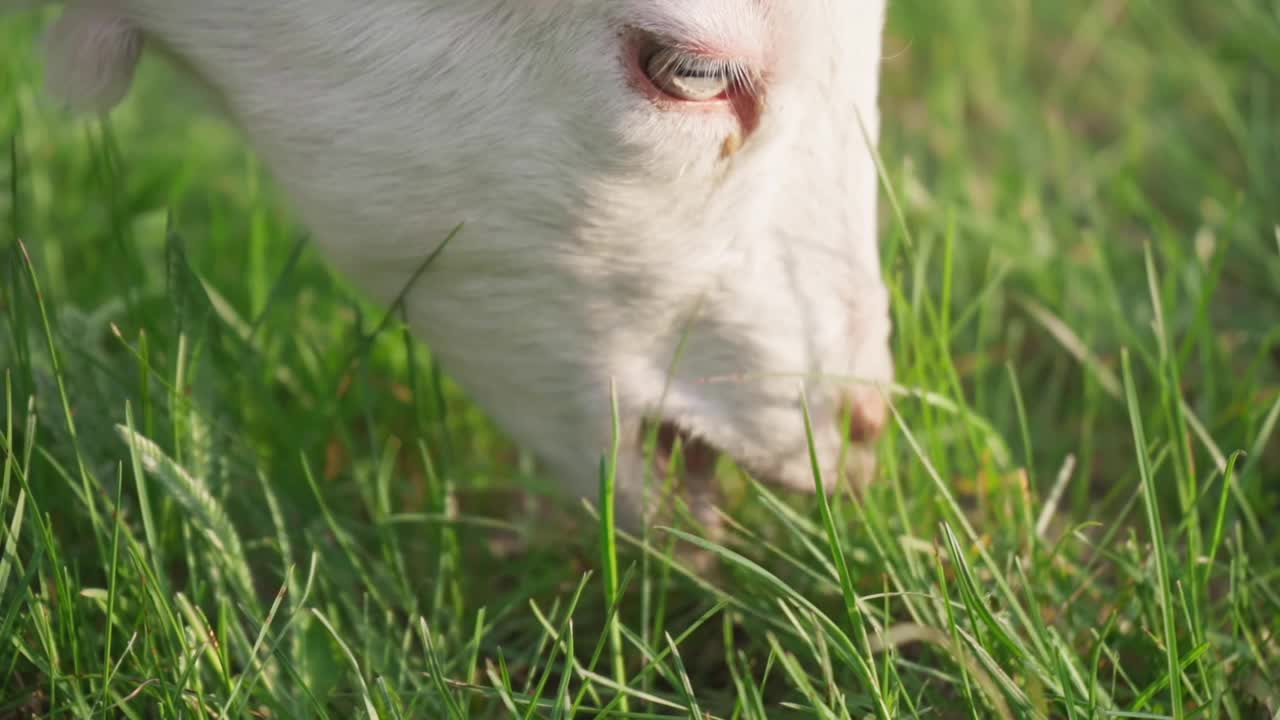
(673, 197)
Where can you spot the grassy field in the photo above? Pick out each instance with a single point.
(1077, 512)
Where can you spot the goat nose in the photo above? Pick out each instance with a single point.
(868, 412)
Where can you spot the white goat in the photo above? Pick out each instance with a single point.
(628, 173)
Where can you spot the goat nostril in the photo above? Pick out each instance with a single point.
(868, 413)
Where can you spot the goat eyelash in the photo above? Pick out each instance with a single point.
(675, 62)
(693, 65)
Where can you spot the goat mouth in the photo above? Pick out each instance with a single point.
(682, 463)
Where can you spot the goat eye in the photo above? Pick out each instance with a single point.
(688, 77)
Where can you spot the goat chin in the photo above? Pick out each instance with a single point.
(694, 236)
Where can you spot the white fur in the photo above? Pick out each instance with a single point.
(598, 225)
(91, 54)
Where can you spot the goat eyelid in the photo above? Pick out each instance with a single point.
(691, 76)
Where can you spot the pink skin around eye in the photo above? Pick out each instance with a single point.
(745, 103)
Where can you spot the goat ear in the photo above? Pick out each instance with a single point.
(91, 55)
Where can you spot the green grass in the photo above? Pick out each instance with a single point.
(1075, 520)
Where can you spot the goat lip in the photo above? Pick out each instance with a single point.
(697, 458)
